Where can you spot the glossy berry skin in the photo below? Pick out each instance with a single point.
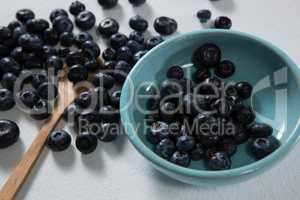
(138, 55)
(67, 39)
(108, 27)
(138, 23)
(76, 7)
(158, 131)
(41, 110)
(243, 115)
(29, 98)
(115, 98)
(50, 37)
(55, 62)
(70, 114)
(122, 68)
(107, 4)
(59, 140)
(181, 158)
(185, 143)
(198, 153)
(30, 42)
(260, 130)
(91, 65)
(7, 101)
(84, 100)
(91, 47)
(168, 111)
(124, 53)
(201, 74)
(37, 25)
(170, 87)
(58, 12)
(219, 161)
(109, 114)
(85, 20)
(24, 15)
(82, 37)
(17, 32)
(47, 91)
(103, 80)
(175, 72)
(74, 58)
(118, 40)
(38, 79)
(109, 54)
(165, 25)
(165, 148)
(244, 90)
(9, 65)
(137, 2)
(137, 36)
(9, 133)
(77, 73)
(223, 22)
(47, 51)
(86, 142)
(62, 24)
(8, 81)
(208, 55)
(134, 46)
(109, 132)
(204, 15)
(13, 25)
(225, 69)
(262, 147)
(153, 42)
(5, 33)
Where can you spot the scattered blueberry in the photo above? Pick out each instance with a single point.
(260, 130)
(59, 140)
(165, 148)
(244, 90)
(108, 27)
(137, 36)
(165, 25)
(109, 54)
(67, 39)
(175, 72)
(29, 97)
(76, 7)
(262, 147)
(62, 24)
(9, 133)
(181, 158)
(208, 55)
(86, 142)
(7, 101)
(219, 161)
(24, 15)
(138, 23)
(153, 42)
(108, 132)
(85, 20)
(115, 98)
(103, 80)
(8, 81)
(108, 3)
(77, 73)
(50, 37)
(204, 15)
(223, 22)
(185, 143)
(47, 91)
(118, 40)
(225, 69)
(57, 13)
(41, 110)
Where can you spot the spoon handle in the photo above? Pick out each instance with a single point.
(20, 173)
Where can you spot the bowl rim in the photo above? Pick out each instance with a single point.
(150, 155)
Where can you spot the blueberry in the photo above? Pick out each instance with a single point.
(170, 87)
(175, 72)
(243, 115)
(223, 107)
(77, 73)
(181, 158)
(57, 13)
(137, 36)
(109, 65)
(206, 89)
(122, 68)
(50, 37)
(82, 37)
(37, 25)
(189, 105)
(108, 132)
(165, 25)
(118, 40)
(30, 42)
(223, 22)
(158, 131)
(103, 80)
(17, 32)
(108, 27)
(244, 90)
(102, 98)
(13, 25)
(208, 55)
(76, 7)
(47, 91)
(55, 62)
(59, 140)
(38, 79)
(134, 46)
(91, 47)
(74, 58)
(231, 91)
(4, 51)
(6, 100)
(228, 146)
(84, 100)
(187, 85)
(153, 103)
(62, 24)
(63, 52)
(225, 69)
(85, 20)
(109, 114)
(9, 65)
(204, 15)
(138, 55)
(109, 54)
(41, 110)
(47, 51)
(201, 74)
(17, 54)
(5, 33)
(8, 81)
(153, 42)
(219, 161)
(33, 61)
(70, 114)
(124, 53)
(185, 143)
(9, 133)
(108, 3)
(67, 39)
(137, 2)
(91, 65)
(86, 121)
(165, 148)
(168, 111)
(138, 23)
(115, 98)
(262, 147)
(86, 142)
(260, 130)
(198, 153)
(24, 15)
(28, 97)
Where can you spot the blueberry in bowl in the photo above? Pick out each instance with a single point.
(199, 157)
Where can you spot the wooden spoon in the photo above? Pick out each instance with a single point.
(20, 173)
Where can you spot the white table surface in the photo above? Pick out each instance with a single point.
(117, 171)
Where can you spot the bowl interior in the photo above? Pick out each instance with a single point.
(275, 81)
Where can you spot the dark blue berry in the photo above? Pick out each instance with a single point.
(41, 110)
(8, 81)
(185, 143)
(37, 25)
(124, 53)
(165, 148)
(70, 114)
(208, 55)
(109, 114)
(223, 22)
(204, 15)
(48, 51)
(138, 23)
(86, 142)
(118, 40)
(244, 90)
(219, 161)
(30, 42)
(168, 111)
(259, 130)
(134, 46)
(91, 64)
(91, 47)
(82, 37)
(175, 72)
(84, 100)
(85, 20)
(181, 158)
(55, 62)
(5, 33)
(122, 69)
(108, 3)
(103, 80)
(109, 65)
(17, 32)
(137, 36)
(74, 58)
(67, 39)
(115, 98)
(76, 7)
(9, 133)
(158, 131)
(28, 97)
(59, 140)
(7, 101)
(13, 25)
(24, 15)
(243, 114)
(38, 79)
(153, 42)
(109, 54)
(108, 132)
(62, 24)
(47, 91)
(138, 55)
(63, 52)
(57, 13)
(77, 73)
(225, 69)
(262, 147)
(165, 25)
(9, 65)
(107, 27)
(137, 2)
(201, 74)
(50, 37)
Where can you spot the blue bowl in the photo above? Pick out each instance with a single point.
(276, 95)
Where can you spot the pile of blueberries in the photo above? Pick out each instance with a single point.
(205, 118)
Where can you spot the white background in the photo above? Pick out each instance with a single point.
(116, 171)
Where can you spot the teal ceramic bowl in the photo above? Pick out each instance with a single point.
(276, 95)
